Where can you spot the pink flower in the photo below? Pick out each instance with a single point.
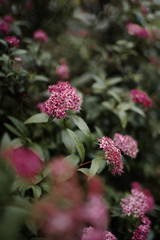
(13, 41)
(135, 204)
(112, 154)
(63, 97)
(135, 29)
(4, 27)
(40, 35)
(144, 10)
(96, 185)
(126, 144)
(95, 212)
(150, 199)
(82, 33)
(91, 233)
(41, 106)
(8, 18)
(62, 71)
(142, 231)
(26, 163)
(109, 236)
(29, 5)
(141, 97)
(154, 61)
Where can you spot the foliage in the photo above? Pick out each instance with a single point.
(104, 61)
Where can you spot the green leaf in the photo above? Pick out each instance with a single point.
(19, 125)
(67, 141)
(3, 42)
(79, 145)
(19, 52)
(37, 118)
(81, 124)
(114, 95)
(73, 159)
(123, 118)
(84, 170)
(40, 78)
(37, 191)
(113, 81)
(2, 74)
(138, 110)
(97, 166)
(5, 140)
(12, 129)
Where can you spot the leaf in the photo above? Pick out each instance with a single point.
(84, 170)
(113, 81)
(19, 52)
(97, 166)
(73, 159)
(3, 42)
(19, 125)
(67, 141)
(81, 124)
(5, 140)
(114, 95)
(12, 129)
(138, 110)
(40, 78)
(37, 118)
(37, 191)
(123, 118)
(79, 145)
(2, 74)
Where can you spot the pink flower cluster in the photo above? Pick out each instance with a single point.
(4, 27)
(25, 162)
(135, 29)
(126, 144)
(41, 106)
(135, 204)
(13, 41)
(5, 24)
(63, 97)
(112, 154)
(40, 35)
(62, 70)
(150, 199)
(91, 233)
(141, 97)
(142, 231)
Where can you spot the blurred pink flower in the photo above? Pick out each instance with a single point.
(135, 29)
(4, 27)
(8, 18)
(62, 71)
(141, 97)
(29, 5)
(96, 185)
(135, 204)
(112, 154)
(40, 35)
(2, 1)
(41, 106)
(82, 33)
(63, 97)
(26, 163)
(12, 40)
(154, 61)
(126, 144)
(95, 212)
(144, 10)
(142, 231)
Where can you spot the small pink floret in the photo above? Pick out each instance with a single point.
(40, 35)
(62, 71)
(141, 97)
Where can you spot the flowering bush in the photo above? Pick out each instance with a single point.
(81, 160)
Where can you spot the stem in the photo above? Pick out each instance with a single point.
(89, 162)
